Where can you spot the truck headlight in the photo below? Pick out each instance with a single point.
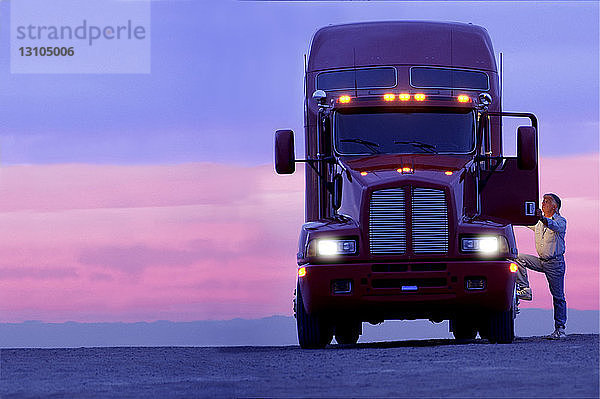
(484, 245)
(330, 247)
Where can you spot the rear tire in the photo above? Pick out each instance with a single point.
(313, 331)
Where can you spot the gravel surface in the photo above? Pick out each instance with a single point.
(530, 367)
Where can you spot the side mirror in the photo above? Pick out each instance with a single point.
(526, 148)
(337, 192)
(285, 159)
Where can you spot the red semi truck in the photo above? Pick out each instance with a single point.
(410, 203)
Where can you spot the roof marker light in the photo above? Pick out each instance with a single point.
(344, 99)
(420, 97)
(404, 97)
(448, 173)
(463, 98)
(389, 96)
(363, 173)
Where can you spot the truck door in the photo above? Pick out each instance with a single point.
(507, 189)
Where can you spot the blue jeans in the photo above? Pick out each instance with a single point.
(554, 270)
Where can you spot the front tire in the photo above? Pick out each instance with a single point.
(502, 327)
(313, 330)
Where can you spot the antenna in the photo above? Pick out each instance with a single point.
(354, 61)
(305, 97)
(501, 78)
(305, 68)
(501, 97)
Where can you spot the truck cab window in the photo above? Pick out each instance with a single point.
(394, 132)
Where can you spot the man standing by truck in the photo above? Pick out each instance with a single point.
(550, 245)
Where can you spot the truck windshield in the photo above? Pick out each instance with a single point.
(387, 132)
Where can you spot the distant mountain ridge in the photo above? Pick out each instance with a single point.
(269, 331)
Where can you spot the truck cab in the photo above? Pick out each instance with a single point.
(409, 201)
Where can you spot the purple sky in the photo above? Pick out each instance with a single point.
(226, 74)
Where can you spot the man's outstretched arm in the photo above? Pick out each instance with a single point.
(559, 225)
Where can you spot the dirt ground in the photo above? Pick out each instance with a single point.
(530, 367)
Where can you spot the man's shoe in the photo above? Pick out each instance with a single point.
(525, 294)
(559, 333)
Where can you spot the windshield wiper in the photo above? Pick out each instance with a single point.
(424, 146)
(369, 144)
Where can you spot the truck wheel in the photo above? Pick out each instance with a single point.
(464, 329)
(313, 331)
(347, 333)
(502, 327)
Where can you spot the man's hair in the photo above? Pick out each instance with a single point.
(555, 198)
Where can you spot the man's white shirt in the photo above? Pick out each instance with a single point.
(550, 239)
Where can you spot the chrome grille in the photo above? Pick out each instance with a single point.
(387, 222)
(429, 221)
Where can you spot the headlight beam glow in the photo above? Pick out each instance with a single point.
(484, 245)
(334, 247)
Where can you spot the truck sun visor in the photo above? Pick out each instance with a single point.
(361, 78)
(445, 78)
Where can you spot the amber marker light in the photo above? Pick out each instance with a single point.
(389, 96)
(344, 99)
(420, 97)
(302, 272)
(448, 173)
(404, 97)
(514, 267)
(463, 98)
(363, 173)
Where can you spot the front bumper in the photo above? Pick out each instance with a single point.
(434, 290)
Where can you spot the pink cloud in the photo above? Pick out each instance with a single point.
(82, 186)
(218, 243)
(198, 241)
